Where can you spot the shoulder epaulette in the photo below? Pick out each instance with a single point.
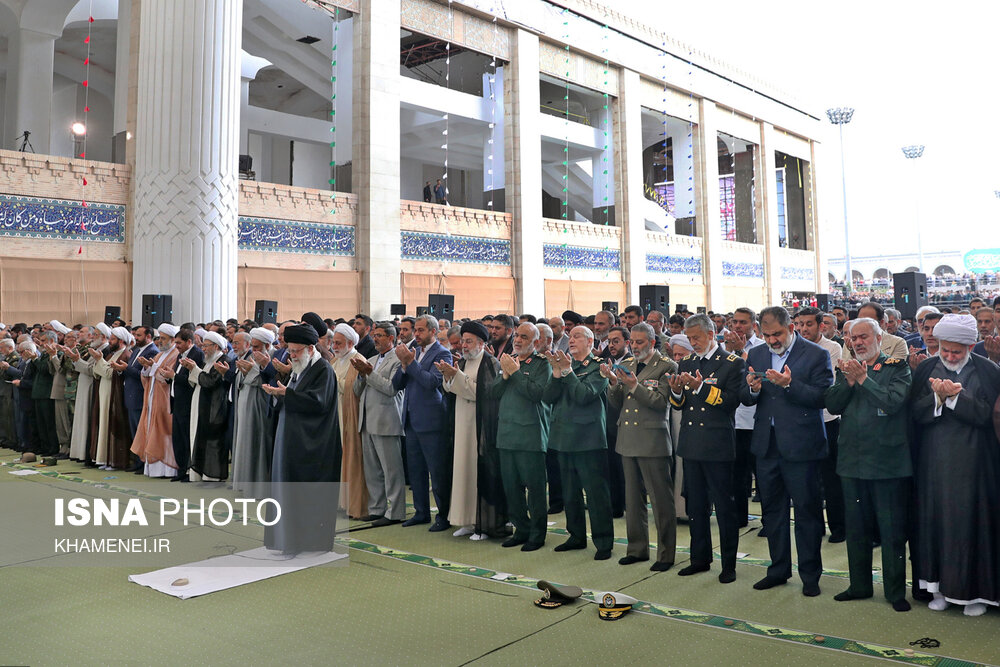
(893, 360)
(690, 356)
(733, 357)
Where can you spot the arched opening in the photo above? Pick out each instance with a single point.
(944, 270)
(881, 274)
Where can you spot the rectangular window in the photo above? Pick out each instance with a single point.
(779, 179)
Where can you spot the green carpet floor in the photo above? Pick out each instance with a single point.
(410, 597)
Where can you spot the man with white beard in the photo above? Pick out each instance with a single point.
(153, 443)
(957, 471)
(85, 387)
(110, 448)
(253, 442)
(353, 490)
(477, 500)
(306, 463)
(873, 461)
(209, 411)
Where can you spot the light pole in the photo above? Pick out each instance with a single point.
(840, 117)
(912, 153)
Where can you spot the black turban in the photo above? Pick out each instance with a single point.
(302, 334)
(316, 322)
(476, 329)
(570, 317)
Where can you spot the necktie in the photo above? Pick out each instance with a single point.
(639, 367)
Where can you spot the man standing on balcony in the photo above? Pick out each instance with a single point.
(440, 193)
(428, 193)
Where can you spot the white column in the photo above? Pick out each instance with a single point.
(187, 137)
(523, 153)
(28, 95)
(707, 197)
(628, 140)
(767, 212)
(375, 173)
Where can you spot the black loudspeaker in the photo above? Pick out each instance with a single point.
(397, 309)
(681, 307)
(441, 306)
(422, 310)
(610, 306)
(911, 293)
(655, 297)
(823, 302)
(112, 313)
(702, 310)
(265, 312)
(157, 309)
(246, 163)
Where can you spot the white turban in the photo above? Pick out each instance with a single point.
(682, 340)
(266, 336)
(59, 326)
(168, 330)
(121, 333)
(213, 337)
(104, 329)
(201, 333)
(347, 332)
(959, 329)
(3, 326)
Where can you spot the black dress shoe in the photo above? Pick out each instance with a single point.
(90, 464)
(811, 589)
(511, 541)
(921, 595)
(628, 560)
(660, 566)
(836, 538)
(570, 545)
(531, 546)
(693, 569)
(727, 576)
(556, 509)
(439, 525)
(848, 595)
(382, 521)
(603, 554)
(768, 582)
(901, 605)
(414, 521)
(372, 517)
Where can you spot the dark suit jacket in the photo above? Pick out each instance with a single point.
(424, 406)
(796, 411)
(180, 404)
(708, 427)
(366, 346)
(133, 377)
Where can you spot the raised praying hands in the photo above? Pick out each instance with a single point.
(447, 370)
(992, 345)
(609, 374)
(782, 379)
(626, 378)
(916, 358)
(855, 372)
(945, 389)
(692, 382)
(145, 362)
(508, 365)
(559, 361)
(244, 365)
(676, 383)
(166, 373)
(118, 366)
(282, 368)
(262, 359)
(222, 367)
(274, 391)
(361, 364)
(188, 363)
(405, 355)
(70, 352)
(735, 342)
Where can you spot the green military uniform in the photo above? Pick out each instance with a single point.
(72, 376)
(45, 407)
(579, 437)
(645, 447)
(875, 469)
(522, 438)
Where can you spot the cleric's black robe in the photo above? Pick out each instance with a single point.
(491, 509)
(305, 470)
(957, 481)
(210, 452)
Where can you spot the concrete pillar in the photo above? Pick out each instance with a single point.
(375, 176)
(123, 35)
(523, 160)
(28, 98)
(629, 196)
(767, 212)
(682, 142)
(707, 198)
(822, 284)
(185, 186)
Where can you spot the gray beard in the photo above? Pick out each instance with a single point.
(643, 359)
(871, 356)
(956, 367)
(471, 356)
